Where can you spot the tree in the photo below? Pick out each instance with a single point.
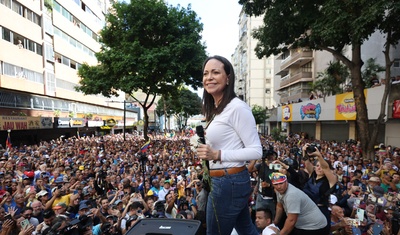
(146, 46)
(328, 25)
(330, 81)
(259, 113)
(188, 104)
(371, 69)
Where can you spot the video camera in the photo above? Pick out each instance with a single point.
(77, 226)
(268, 152)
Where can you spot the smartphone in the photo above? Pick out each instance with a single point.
(390, 197)
(8, 216)
(360, 215)
(24, 223)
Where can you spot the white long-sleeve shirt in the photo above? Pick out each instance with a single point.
(234, 132)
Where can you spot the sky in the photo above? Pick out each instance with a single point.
(220, 23)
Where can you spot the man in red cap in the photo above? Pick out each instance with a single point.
(303, 215)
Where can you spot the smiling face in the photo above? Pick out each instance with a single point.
(215, 79)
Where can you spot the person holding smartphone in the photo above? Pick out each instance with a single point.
(321, 181)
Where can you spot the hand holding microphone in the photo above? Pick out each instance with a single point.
(204, 151)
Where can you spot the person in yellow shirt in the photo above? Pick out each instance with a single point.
(59, 195)
(385, 169)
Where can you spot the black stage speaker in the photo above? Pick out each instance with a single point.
(155, 226)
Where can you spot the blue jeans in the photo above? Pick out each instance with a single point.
(227, 205)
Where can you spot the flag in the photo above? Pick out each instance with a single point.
(8, 141)
(145, 146)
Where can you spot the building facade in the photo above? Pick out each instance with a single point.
(254, 77)
(43, 43)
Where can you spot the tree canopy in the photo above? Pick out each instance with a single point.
(329, 25)
(259, 113)
(146, 46)
(188, 104)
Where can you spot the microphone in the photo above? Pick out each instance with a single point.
(200, 134)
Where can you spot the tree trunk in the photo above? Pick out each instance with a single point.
(146, 123)
(359, 99)
(380, 120)
(165, 114)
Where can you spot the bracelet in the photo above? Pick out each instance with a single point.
(218, 157)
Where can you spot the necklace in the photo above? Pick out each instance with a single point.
(217, 103)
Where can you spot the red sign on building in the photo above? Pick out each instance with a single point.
(396, 109)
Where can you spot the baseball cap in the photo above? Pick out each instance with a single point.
(41, 193)
(60, 205)
(83, 206)
(277, 178)
(117, 202)
(59, 179)
(375, 179)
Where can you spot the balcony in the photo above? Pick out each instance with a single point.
(295, 78)
(297, 57)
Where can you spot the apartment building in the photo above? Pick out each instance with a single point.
(254, 77)
(42, 45)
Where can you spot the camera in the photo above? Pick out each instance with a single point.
(267, 152)
(77, 226)
(102, 174)
(159, 209)
(274, 167)
(312, 148)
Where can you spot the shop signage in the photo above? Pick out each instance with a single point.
(91, 123)
(14, 123)
(310, 111)
(287, 113)
(396, 109)
(61, 122)
(77, 122)
(46, 122)
(110, 122)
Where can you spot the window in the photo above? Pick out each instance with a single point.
(65, 61)
(72, 42)
(9, 69)
(307, 67)
(29, 15)
(39, 49)
(7, 3)
(49, 52)
(56, 6)
(19, 40)
(65, 13)
(31, 45)
(73, 64)
(396, 63)
(6, 34)
(17, 7)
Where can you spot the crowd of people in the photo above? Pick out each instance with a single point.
(104, 185)
(232, 181)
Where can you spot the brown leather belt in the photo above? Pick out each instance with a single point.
(226, 171)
